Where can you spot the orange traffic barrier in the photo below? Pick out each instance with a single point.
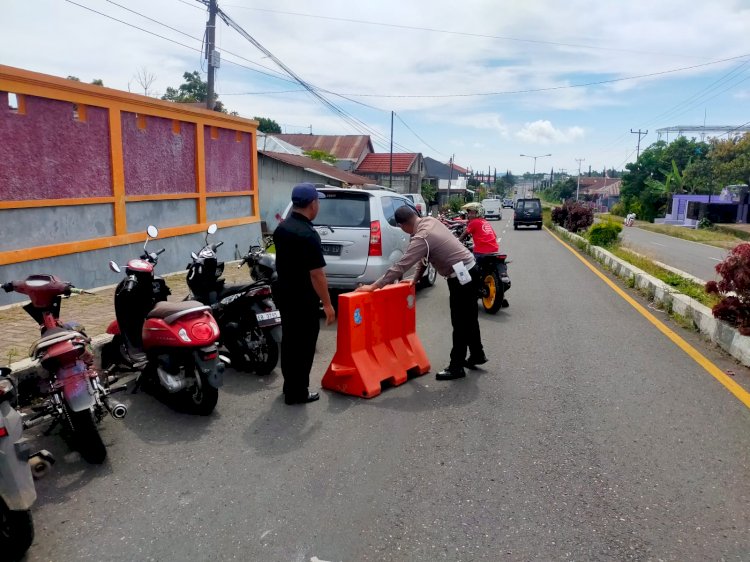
(376, 342)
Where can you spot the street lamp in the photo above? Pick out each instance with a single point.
(533, 175)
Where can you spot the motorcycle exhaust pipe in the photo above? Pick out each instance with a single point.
(118, 410)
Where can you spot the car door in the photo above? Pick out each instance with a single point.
(395, 240)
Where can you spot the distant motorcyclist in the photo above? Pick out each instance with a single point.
(481, 231)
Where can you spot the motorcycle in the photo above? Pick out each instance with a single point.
(76, 397)
(18, 470)
(493, 273)
(247, 316)
(171, 344)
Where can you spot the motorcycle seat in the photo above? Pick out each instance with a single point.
(50, 337)
(229, 290)
(165, 309)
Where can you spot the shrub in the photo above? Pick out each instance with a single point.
(604, 233)
(735, 278)
(559, 215)
(618, 209)
(705, 223)
(580, 216)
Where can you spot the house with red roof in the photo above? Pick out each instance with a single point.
(349, 150)
(404, 172)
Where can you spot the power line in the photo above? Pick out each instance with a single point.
(416, 135)
(462, 33)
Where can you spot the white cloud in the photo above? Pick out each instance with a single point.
(543, 132)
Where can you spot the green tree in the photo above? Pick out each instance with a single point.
(97, 82)
(73, 78)
(429, 193)
(731, 160)
(320, 155)
(267, 125)
(193, 90)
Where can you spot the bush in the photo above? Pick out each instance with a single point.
(735, 278)
(559, 215)
(705, 223)
(604, 233)
(618, 209)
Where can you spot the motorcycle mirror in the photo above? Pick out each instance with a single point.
(212, 228)
(194, 255)
(152, 231)
(114, 267)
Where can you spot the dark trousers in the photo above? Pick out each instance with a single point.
(300, 328)
(465, 319)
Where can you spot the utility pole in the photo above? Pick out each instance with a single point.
(450, 178)
(390, 173)
(640, 134)
(578, 185)
(210, 54)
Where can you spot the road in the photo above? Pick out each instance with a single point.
(589, 436)
(691, 257)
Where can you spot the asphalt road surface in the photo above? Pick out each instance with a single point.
(691, 257)
(589, 436)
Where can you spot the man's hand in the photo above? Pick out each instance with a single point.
(330, 314)
(365, 289)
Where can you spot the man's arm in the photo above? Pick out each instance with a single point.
(416, 251)
(320, 284)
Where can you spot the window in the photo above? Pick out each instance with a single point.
(344, 209)
(388, 210)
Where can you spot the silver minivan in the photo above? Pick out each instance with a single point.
(360, 237)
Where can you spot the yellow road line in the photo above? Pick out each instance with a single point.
(740, 393)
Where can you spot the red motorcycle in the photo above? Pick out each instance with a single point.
(172, 344)
(76, 397)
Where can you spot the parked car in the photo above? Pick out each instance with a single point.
(360, 237)
(418, 202)
(507, 203)
(492, 208)
(528, 213)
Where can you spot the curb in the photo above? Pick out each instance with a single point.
(722, 334)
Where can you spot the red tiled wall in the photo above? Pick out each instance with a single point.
(47, 154)
(228, 166)
(157, 160)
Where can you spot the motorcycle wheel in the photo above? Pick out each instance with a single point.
(86, 437)
(202, 399)
(264, 360)
(16, 532)
(428, 280)
(492, 292)
(268, 360)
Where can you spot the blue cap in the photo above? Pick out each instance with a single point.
(305, 193)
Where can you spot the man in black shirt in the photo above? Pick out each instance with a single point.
(300, 288)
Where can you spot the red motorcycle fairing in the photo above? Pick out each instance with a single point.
(74, 381)
(198, 329)
(113, 328)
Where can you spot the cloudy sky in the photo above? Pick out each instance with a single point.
(486, 80)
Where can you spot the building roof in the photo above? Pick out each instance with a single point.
(273, 144)
(343, 147)
(601, 186)
(381, 163)
(316, 167)
(460, 169)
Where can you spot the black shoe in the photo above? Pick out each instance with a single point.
(450, 373)
(311, 397)
(475, 360)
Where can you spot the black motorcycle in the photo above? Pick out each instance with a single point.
(493, 275)
(249, 321)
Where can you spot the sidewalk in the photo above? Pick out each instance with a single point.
(18, 330)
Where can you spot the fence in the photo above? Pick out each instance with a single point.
(84, 167)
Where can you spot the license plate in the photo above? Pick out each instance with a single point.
(331, 249)
(266, 316)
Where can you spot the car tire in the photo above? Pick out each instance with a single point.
(429, 278)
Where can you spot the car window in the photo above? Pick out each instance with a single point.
(388, 210)
(344, 209)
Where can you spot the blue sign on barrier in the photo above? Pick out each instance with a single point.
(357, 316)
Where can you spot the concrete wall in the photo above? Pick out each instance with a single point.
(90, 269)
(39, 226)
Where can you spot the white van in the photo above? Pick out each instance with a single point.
(493, 208)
